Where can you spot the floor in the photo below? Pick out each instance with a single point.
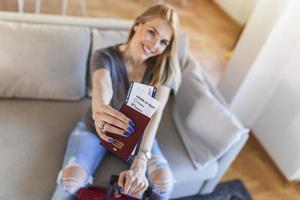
(212, 35)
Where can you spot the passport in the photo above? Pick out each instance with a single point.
(139, 106)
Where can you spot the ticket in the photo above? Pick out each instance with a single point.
(140, 98)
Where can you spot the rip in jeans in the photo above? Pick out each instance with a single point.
(72, 184)
(160, 185)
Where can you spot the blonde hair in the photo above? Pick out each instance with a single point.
(165, 66)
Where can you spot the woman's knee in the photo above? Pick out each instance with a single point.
(73, 177)
(162, 179)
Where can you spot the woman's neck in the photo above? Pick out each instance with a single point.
(130, 58)
(135, 68)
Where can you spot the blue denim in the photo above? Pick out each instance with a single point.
(84, 145)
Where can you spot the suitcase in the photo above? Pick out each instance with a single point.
(111, 193)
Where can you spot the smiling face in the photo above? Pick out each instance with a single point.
(151, 38)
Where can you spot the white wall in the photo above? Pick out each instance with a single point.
(239, 10)
(252, 40)
(278, 122)
(267, 98)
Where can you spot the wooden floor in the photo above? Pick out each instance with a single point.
(211, 34)
(258, 172)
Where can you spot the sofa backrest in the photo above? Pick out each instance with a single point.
(43, 61)
(46, 57)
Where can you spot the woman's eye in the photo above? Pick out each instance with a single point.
(151, 32)
(164, 43)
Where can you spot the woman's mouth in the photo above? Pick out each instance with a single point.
(147, 51)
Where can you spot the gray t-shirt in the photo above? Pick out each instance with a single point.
(110, 58)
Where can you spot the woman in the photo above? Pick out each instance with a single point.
(149, 56)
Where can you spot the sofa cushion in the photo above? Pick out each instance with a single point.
(43, 61)
(33, 140)
(106, 38)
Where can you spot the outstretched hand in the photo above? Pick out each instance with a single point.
(107, 119)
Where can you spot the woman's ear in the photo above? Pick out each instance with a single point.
(135, 27)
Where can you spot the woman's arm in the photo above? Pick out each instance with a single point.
(103, 114)
(162, 96)
(102, 88)
(133, 181)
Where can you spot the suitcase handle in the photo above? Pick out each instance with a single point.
(114, 179)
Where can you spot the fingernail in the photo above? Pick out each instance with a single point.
(130, 129)
(126, 133)
(111, 141)
(131, 123)
(120, 189)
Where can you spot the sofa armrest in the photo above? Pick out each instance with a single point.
(223, 164)
(208, 129)
(215, 91)
(206, 125)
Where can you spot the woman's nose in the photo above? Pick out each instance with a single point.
(155, 44)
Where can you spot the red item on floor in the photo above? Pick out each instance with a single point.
(111, 193)
(98, 193)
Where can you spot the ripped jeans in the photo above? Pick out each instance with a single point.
(84, 151)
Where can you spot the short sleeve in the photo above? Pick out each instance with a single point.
(100, 60)
(172, 85)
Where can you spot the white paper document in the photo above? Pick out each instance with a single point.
(140, 97)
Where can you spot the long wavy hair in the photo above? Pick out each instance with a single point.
(164, 67)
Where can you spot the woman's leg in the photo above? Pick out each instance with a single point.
(159, 174)
(83, 154)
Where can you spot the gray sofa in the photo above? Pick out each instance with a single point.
(44, 91)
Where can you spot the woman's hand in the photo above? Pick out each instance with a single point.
(133, 181)
(108, 119)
